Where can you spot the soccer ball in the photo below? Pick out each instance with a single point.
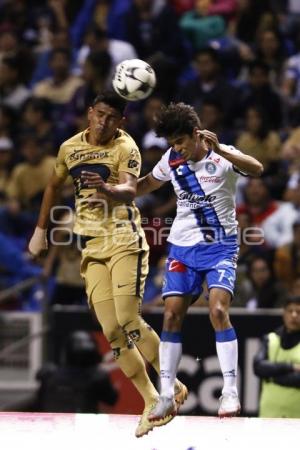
(134, 79)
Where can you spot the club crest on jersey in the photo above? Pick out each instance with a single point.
(210, 167)
(132, 164)
(176, 266)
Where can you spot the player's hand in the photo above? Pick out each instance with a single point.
(38, 242)
(93, 180)
(211, 139)
(97, 200)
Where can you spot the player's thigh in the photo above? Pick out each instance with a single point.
(221, 278)
(106, 314)
(181, 280)
(128, 273)
(98, 282)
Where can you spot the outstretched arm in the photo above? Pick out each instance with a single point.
(38, 242)
(245, 163)
(148, 184)
(128, 188)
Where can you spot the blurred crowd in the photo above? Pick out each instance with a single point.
(236, 61)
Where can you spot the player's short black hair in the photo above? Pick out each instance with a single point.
(176, 119)
(112, 99)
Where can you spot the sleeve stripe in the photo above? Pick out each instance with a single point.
(239, 172)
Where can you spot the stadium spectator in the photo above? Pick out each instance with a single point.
(6, 150)
(249, 16)
(271, 48)
(212, 118)
(25, 188)
(61, 86)
(140, 122)
(59, 38)
(258, 203)
(258, 91)
(287, 258)
(97, 40)
(13, 92)
(36, 121)
(8, 126)
(278, 227)
(96, 76)
(277, 364)
(290, 86)
(200, 25)
(210, 84)
(258, 140)
(260, 289)
(11, 46)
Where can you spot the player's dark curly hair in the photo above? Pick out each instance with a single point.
(112, 99)
(176, 119)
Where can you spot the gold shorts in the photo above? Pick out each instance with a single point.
(111, 269)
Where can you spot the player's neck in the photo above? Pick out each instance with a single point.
(200, 153)
(94, 139)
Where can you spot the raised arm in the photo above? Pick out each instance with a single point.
(245, 163)
(38, 242)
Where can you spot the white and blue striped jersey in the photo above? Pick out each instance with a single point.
(205, 193)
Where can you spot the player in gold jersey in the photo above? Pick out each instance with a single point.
(114, 249)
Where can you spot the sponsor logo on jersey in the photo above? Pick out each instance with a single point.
(208, 179)
(196, 197)
(210, 167)
(79, 156)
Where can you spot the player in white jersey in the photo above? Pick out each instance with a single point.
(203, 243)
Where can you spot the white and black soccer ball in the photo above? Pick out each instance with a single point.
(134, 79)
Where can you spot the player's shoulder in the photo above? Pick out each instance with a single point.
(125, 139)
(76, 139)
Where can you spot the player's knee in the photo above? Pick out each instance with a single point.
(132, 327)
(172, 321)
(218, 315)
(113, 333)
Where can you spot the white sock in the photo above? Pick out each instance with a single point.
(169, 358)
(227, 352)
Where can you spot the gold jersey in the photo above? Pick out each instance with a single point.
(118, 155)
